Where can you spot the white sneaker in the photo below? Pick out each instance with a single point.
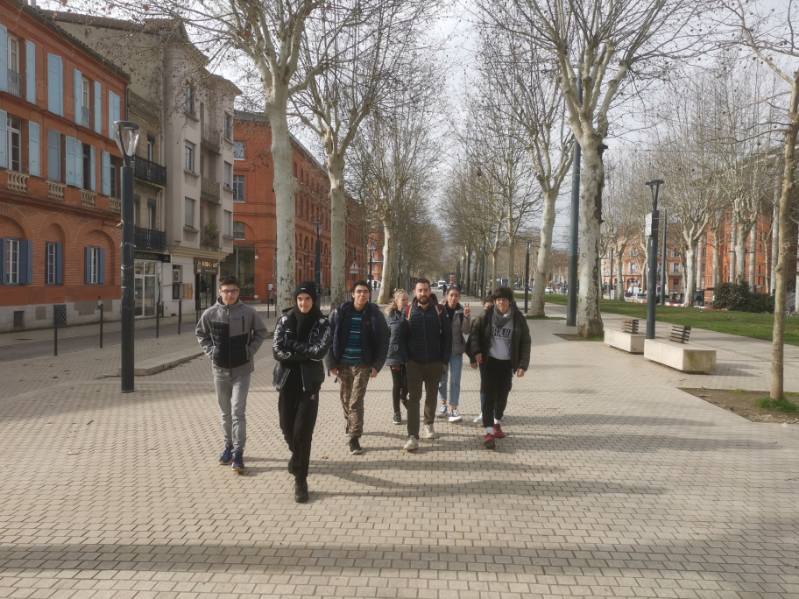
(478, 418)
(442, 410)
(411, 444)
(428, 432)
(455, 416)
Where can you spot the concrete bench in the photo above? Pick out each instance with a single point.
(679, 356)
(628, 339)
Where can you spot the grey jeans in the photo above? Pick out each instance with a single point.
(231, 392)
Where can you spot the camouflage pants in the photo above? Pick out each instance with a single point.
(354, 380)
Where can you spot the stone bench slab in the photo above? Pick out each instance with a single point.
(629, 342)
(682, 357)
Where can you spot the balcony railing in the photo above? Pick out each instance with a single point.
(211, 139)
(17, 181)
(210, 191)
(88, 198)
(55, 191)
(210, 239)
(115, 204)
(149, 171)
(149, 239)
(14, 83)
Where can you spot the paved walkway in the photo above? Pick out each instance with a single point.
(613, 483)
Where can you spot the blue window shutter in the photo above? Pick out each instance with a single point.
(86, 259)
(98, 107)
(92, 169)
(3, 58)
(53, 155)
(3, 137)
(2, 263)
(70, 161)
(25, 266)
(113, 101)
(59, 264)
(105, 172)
(34, 150)
(55, 84)
(77, 93)
(101, 266)
(78, 163)
(30, 71)
(47, 245)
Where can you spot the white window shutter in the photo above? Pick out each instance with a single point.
(98, 107)
(3, 139)
(3, 58)
(77, 92)
(34, 149)
(30, 72)
(106, 174)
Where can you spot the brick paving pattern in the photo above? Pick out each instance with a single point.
(612, 483)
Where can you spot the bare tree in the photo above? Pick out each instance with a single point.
(771, 37)
(601, 45)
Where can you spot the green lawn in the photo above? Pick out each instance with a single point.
(746, 324)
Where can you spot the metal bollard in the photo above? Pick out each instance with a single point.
(157, 319)
(55, 335)
(180, 315)
(101, 306)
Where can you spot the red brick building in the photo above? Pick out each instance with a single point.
(254, 223)
(59, 173)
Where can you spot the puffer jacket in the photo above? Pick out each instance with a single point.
(374, 335)
(520, 342)
(307, 356)
(429, 334)
(230, 336)
(397, 349)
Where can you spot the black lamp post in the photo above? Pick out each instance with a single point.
(371, 248)
(654, 187)
(127, 138)
(527, 274)
(318, 262)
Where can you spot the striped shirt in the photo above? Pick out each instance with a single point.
(353, 352)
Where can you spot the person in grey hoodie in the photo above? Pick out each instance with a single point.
(230, 332)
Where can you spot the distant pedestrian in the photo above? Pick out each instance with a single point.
(501, 342)
(397, 352)
(449, 388)
(488, 302)
(358, 352)
(429, 341)
(230, 332)
(302, 339)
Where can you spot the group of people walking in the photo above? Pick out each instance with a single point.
(422, 341)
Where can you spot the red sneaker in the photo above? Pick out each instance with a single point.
(488, 441)
(498, 432)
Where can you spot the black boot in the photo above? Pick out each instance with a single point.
(301, 490)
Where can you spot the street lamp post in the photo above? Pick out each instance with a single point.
(654, 187)
(371, 247)
(527, 274)
(127, 138)
(318, 264)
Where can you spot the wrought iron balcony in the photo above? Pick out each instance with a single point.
(210, 191)
(150, 239)
(149, 171)
(211, 139)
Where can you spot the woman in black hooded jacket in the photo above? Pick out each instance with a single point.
(302, 338)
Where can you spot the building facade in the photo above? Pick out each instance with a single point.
(59, 174)
(254, 227)
(183, 192)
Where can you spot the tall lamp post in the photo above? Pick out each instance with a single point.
(127, 138)
(318, 262)
(371, 248)
(652, 231)
(527, 274)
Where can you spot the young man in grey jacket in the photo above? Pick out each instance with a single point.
(230, 332)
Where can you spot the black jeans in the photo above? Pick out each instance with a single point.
(298, 410)
(399, 389)
(497, 380)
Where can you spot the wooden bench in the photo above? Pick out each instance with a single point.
(676, 354)
(628, 339)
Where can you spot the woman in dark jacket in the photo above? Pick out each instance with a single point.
(302, 338)
(397, 351)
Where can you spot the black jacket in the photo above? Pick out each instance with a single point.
(307, 356)
(374, 335)
(520, 342)
(428, 335)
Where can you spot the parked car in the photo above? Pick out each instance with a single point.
(548, 289)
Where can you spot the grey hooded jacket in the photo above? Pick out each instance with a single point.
(230, 336)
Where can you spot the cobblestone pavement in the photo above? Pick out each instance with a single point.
(612, 483)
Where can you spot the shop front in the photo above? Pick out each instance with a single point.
(147, 271)
(241, 264)
(205, 272)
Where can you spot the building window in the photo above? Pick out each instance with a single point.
(238, 188)
(228, 232)
(150, 148)
(238, 150)
(190, 99)
(177, 281)
(238, 230)
(54, 153)
(189, 213)
(14, 143)
(53, 269)
(152, 214)
(633, 267)
(228, 126)
(87, 102)
(94, 265)
(675, 267)
(228, 173)
(11, 262)
(113, 176)
(190, 151)
(14, 86)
